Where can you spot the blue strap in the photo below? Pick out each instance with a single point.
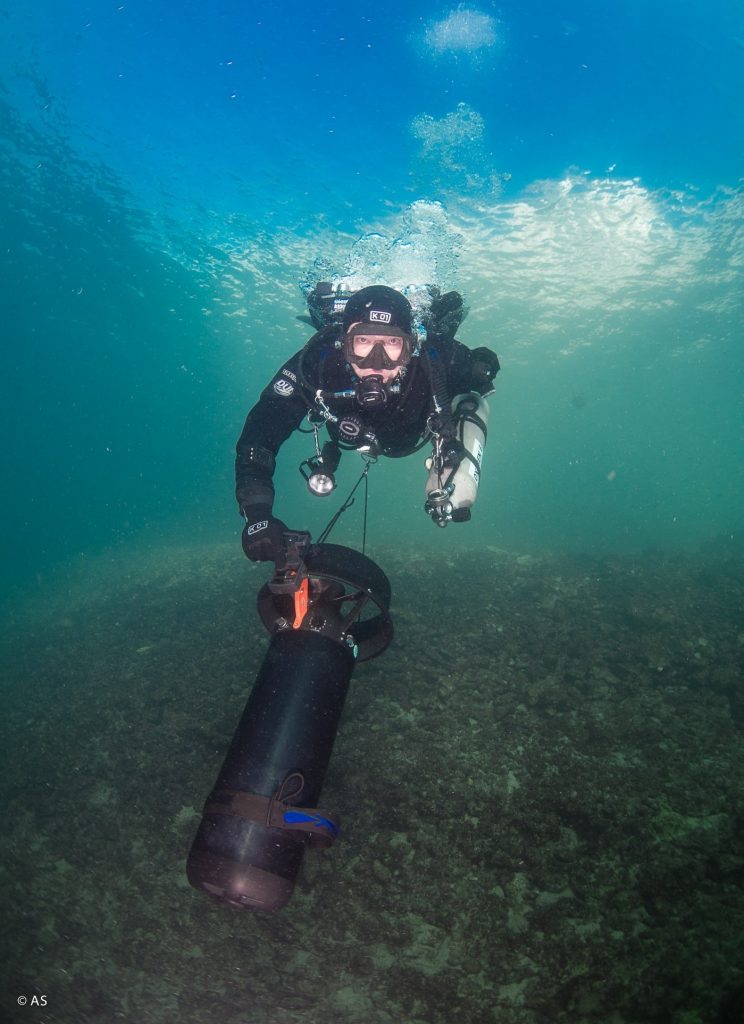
(317, 820)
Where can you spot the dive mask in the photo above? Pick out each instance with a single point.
(377, 347)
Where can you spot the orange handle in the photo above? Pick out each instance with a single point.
(301, 600)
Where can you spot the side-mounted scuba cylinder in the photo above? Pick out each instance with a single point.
(454, 469)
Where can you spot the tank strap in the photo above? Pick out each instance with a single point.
(466, 456)
(466, 410)
(318, 828)
(472, 417)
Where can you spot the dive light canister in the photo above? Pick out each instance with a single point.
(470, 415)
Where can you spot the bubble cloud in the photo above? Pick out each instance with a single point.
(464, 31)
(455, 146)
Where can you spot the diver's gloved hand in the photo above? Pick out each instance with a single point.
(484, 367)
(447, 312)
(263, 535)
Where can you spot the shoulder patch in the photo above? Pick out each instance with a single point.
(284, 388)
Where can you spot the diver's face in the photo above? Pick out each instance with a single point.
(379, 355)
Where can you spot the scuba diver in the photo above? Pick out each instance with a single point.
(382, 383)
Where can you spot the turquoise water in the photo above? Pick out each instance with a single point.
(558, 724)
(169, 177)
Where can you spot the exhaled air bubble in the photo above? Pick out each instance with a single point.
(464, 30)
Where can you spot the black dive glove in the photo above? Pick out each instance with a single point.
(263, 535)
(446, 313)
(484, 367)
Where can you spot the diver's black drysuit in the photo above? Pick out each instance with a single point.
(398, 425)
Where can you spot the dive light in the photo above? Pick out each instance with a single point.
(319, 470)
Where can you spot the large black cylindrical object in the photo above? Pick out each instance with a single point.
(289, 724)
(288, 728)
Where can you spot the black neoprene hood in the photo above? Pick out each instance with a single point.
(379, 305)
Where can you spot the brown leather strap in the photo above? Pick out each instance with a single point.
(318, 828)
